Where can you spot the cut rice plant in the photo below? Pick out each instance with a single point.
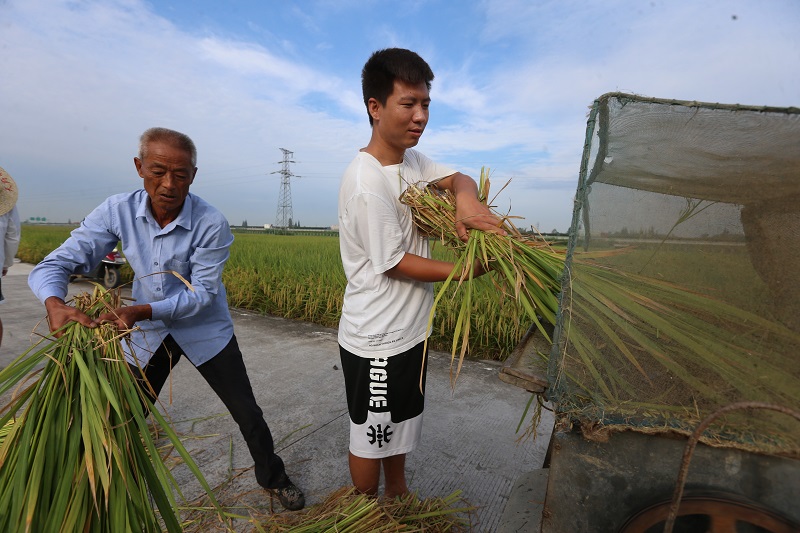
(526, 269)
(76, 450)
(346, 510)
(631, 349)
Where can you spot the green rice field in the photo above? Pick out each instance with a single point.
(300, 277)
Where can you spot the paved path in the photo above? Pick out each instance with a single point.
(469, 441)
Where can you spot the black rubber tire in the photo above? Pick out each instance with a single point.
(111, 278)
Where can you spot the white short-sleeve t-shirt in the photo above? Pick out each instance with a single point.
(381, 316)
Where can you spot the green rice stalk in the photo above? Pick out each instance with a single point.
(527, 269)
(707, 349)
(76, 452)
(345, 510)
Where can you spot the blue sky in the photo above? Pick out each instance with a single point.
(514, 82)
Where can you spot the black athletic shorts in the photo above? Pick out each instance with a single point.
(385, 401)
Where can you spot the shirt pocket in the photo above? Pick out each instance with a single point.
(181, 267)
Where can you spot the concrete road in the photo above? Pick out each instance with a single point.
(469, 441)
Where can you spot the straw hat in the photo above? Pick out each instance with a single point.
(8, 192)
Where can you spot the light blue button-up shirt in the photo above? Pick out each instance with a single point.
(196, 245)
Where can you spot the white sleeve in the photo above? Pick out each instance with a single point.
(11, 238)
(429, 170)
(379, 232)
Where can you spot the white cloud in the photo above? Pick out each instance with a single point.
(87, 77)
(79, 99)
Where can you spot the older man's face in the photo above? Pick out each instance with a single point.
(167, 172)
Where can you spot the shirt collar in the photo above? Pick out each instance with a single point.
(184, 217)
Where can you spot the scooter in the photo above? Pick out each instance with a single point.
(107, 272)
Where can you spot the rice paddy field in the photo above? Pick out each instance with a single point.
(300, 277)
(39, 240)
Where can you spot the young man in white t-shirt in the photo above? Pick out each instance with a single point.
(390, 275)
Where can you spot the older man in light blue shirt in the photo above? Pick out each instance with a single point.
(165, 229)
(195, 245)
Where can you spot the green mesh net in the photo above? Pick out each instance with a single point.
(680, 294)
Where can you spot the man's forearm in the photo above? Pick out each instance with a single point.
(418, 268)
(459, 184)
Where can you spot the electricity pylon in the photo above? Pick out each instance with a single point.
(284, 216)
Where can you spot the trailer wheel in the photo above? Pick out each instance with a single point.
(712, 513)
(111, 278)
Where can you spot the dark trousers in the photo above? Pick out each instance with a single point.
(227, 376)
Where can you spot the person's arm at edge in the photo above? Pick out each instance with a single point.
(11, 239)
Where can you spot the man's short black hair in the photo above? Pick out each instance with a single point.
(390, 64)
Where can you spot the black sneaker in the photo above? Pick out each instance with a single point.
(290, 497)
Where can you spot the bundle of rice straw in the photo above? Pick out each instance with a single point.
(620, 331)
(528, 269)
(76, 452)
(345, 510)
